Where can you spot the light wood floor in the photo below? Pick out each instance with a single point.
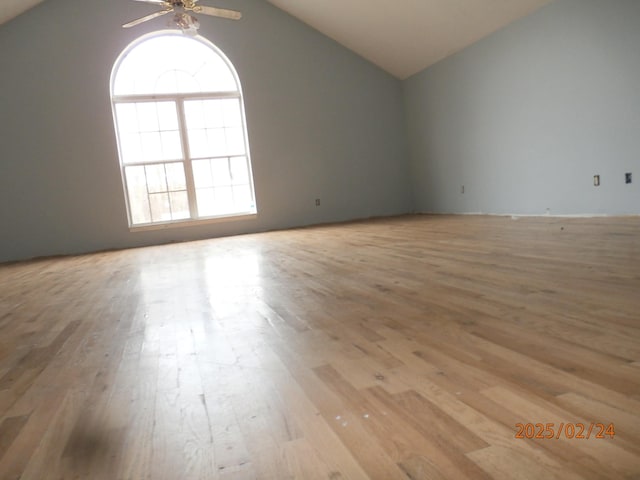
(405, 348)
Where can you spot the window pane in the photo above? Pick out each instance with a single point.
(156, 181)
(198, 143)
(166, 81)
(202, 173)
(235, 141)
(167, 116)
(147, 117)
(242, 198)
(130, 147)
(239, 170)
(207, 143)
(223, 200)
(136, 178)
(214, 113)
(179, 205)
(231, 109)
(127, 117)
(175, 176)
(205, 113)
(220, 171)
(160, 207)
(222, 120)
(151, 146)
(206, 202)
(194, 114)
(173, 63)
(139, 126)
(217, 145)
(137, 192)
(171, 146)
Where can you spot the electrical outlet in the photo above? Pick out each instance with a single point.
(317, 202)
(596, 180)
(627, 178)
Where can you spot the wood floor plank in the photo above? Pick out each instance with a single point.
(396, 348)
(9, 429)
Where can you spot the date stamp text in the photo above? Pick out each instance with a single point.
(567, 430)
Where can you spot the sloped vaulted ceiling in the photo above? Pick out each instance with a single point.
(12, 8)
(401, 36)
(405, 36)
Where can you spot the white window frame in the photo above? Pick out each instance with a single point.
(179, 99)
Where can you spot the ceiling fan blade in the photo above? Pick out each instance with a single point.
(218, 12)
(156, 2)
(145, 18)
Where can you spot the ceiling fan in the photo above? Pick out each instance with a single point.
(187, 22)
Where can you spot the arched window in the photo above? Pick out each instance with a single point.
(180, 125)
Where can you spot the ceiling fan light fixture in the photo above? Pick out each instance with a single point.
(187, 23)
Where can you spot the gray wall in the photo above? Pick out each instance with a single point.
(526, 117)
(323, 123)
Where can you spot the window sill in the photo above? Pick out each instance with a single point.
(192, 223)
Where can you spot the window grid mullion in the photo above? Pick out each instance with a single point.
(167, 191)
(139, 98)
(188, 167)
(146, 186)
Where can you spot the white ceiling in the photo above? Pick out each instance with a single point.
(405, 36)
(401, 36)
